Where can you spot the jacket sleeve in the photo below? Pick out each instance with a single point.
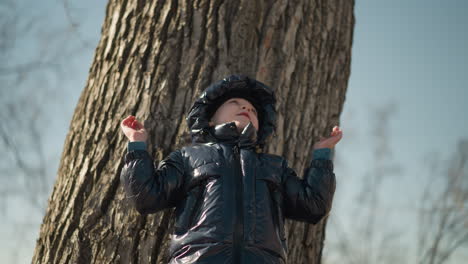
(152, 188)
(309, 199)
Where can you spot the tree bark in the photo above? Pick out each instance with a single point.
(153, 59)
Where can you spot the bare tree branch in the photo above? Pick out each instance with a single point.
(444, 208)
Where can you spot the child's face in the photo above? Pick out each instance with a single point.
(235, 109)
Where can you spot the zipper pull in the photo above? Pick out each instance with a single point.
(236, 149)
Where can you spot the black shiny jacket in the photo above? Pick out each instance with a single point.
(231, 202)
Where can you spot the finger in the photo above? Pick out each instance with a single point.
(129, 122)
(139, 125)
(338, 137)
(128, 119)
(125, 122)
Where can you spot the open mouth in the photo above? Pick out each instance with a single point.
(244, 114)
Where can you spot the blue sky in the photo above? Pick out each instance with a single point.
(415, 55)
(409, 53)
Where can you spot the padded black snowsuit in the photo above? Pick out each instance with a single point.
(230, 201)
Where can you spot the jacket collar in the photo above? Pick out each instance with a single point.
(227, 132)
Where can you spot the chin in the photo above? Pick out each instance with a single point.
(240, 124)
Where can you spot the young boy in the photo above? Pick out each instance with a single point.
(230, 197)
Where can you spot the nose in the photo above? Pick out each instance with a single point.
(248, 108)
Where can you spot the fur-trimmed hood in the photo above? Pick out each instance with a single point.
(204, 106)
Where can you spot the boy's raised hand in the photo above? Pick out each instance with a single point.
(330, 142)
(133, 130)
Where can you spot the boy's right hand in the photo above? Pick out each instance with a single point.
(133, 130)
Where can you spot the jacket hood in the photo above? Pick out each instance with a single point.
(259, 94)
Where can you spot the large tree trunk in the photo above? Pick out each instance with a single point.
(153, 59)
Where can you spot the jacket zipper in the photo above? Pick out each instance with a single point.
(238, 236)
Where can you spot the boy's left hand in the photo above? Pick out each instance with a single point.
(330, 142)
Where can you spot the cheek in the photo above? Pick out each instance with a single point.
(231, 111)
(226, 113)
(255, 122)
